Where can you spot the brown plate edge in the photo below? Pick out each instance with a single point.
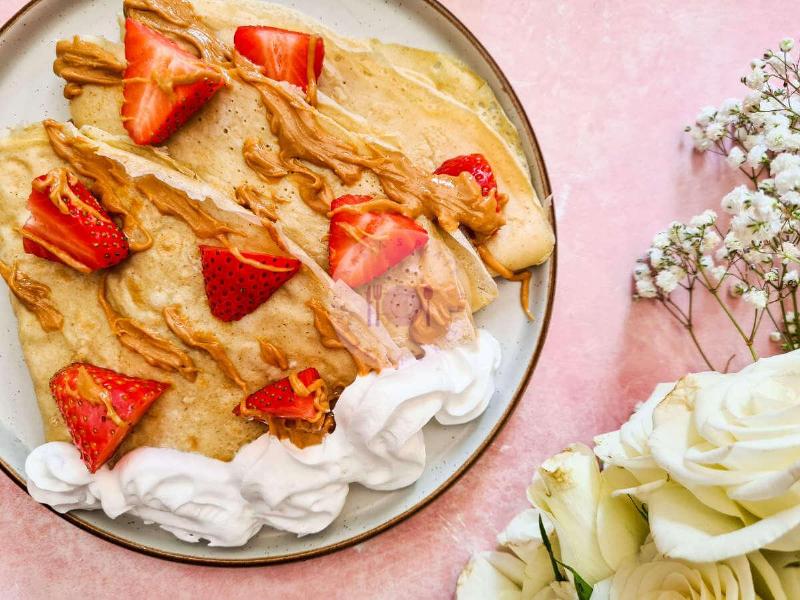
(519, 392)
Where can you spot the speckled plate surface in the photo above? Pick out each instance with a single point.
(26, 48)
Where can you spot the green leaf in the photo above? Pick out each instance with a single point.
(584, 589)
(557, 574)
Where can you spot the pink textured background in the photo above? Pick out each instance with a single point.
(609, 87)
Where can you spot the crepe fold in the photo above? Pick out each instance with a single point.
(421, 104)
(194, 414)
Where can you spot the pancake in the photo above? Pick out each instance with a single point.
(463, 123)
(195, 413)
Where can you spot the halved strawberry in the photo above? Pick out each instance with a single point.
(100, 406)
(279, 400)
(163, 84)
(282, 54)
(362, 246)
(474, 164)
(235, 289)
(66, 219)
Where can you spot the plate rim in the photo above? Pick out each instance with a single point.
(551, 265)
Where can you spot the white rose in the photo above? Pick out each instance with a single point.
(731, 446)
(782, 573)
(527, 576)
(651, 575)
(596, 531)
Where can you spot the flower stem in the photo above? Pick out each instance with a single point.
(715, 292)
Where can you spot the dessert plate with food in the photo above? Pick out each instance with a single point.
(274, 282)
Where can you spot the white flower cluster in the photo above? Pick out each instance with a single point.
(699, 498)
(758, 251)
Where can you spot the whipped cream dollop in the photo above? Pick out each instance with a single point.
(378, 443)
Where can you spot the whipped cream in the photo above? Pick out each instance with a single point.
(378, 442)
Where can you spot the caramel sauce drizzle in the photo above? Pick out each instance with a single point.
(524, 277)
(155, 350)
(88, 389)
(109, 181)
(337, 335)
(207, 342)
(34, 296)
(79, 62)
(272, 355)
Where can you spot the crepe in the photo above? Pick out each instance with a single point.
(192, 415)
(443, 125)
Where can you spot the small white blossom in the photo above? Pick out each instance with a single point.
(752, 101)
(775, 336)
(756, 155)
(756, 78)
(668, 279)
(734, 200)
(787, 180)
(777, 138)
(790, 251)
(790, 316)
(722, 253)
(645, 288)
(783, 161)
(771, 276)
(705, 115)
(711, 239)
(656, 257)
(661, 240)
(737, 289)
(715, 131)
(718, 274)
(756, 297)
(707, 217)
(698, 135)
(786, 44)
(791, 278)
(735, 157)
(641, 271)
(792, 328)
(791, 198)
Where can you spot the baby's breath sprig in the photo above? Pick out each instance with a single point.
(755, 256)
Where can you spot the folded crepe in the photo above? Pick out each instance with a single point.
(148, 316)
(363, 139)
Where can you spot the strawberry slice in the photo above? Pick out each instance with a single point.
(69, 226)
(282, 54)
(474, 164)
(279, 400)
(100, 407)
(164, 85)
(362, 246)
(234, 288)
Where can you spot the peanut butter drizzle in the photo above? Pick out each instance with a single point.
(177, 19)
(375, 205)
(58, 184)
(91, 391)
(79, 62)
(207, 342)
(273, 355)
(311, 74)
(256, 202)
(337, 335)
(269, 165)
(166, 81)
(175, 203)
(155, 350)
(524, 277)
(117, 191)
(55, 250)
(300, 432)
(34, 296)
(434, 318)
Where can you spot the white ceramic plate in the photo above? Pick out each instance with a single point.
(31, 92)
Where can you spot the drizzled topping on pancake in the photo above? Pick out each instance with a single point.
(256, 202)
(437, 305)
(79, 62)
(201, 340)
(177, 19)
(272, 355)
(34, 296)
(88, 389)
(524, 277)
(157, 351)
(115, 188)
(335, 333)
